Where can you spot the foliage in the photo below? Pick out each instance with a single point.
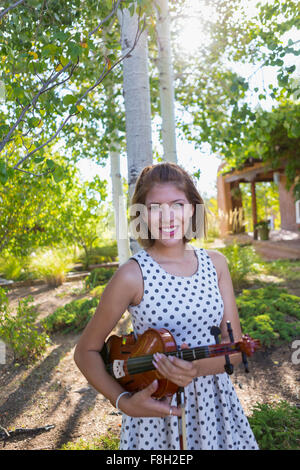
(51, 265)
(242, 260)
(229, 112)
(274, 136)
(98, 291)
(109, 441)
(267, 201)
(289, 270)
(213, 232)
(73, 316)
(99, 276)
(276, 426)
(19, 330)
(38, 212)
(14, 267)
(106, 253)
(55, 56)
(83, 213)
(269, 314)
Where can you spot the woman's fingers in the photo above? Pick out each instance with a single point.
(142, 404)
(177, 370)
(173, 361)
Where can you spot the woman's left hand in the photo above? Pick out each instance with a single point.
(174, 369)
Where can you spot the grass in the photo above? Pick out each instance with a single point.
(108, 441)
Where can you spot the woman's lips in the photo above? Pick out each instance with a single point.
(167, 232)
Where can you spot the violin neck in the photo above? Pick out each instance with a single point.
(137, 365)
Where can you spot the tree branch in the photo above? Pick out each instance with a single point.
(52, 79)
(107, 18)
(4, 12)
(101, 78)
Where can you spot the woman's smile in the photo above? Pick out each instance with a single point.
(169, 230)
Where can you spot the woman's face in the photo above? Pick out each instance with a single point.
(168, 212)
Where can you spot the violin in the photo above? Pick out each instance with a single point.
(129, 360)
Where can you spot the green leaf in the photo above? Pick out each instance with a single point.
(69, 99)
(58, 174)
(49, 50)
(291, 69)
(50, 164)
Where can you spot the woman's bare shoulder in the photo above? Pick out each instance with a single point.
(129, 277)
(129, 269)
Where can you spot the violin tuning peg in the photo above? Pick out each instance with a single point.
(245, 362)
(228, 368)
(215, 332)
(230, 332)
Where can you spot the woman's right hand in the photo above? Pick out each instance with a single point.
(141, 404)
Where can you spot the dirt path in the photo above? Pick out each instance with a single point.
(53, 391)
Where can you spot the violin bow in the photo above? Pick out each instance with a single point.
(181, 419)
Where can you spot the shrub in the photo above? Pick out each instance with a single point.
(98, 291)
(242, 260)
(98, 276)
(73, 316)
(20, 332)
(276, 426)
(51, 265)
(100, 254)
(13, 267)
(269, 314)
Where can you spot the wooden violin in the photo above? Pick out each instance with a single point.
(129, 360)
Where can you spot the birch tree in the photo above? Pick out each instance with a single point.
(114, 122)
(166, 81)
(119, 204)
(136, 92)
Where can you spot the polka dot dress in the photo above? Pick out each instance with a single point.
(188, 306)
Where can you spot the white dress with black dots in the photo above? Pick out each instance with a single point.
(188, 306)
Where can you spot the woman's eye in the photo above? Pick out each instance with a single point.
(157, 206)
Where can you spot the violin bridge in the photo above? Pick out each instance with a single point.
(118, 369)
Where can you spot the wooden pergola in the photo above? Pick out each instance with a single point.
(230, 199)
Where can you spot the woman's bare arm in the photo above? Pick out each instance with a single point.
(119, 293)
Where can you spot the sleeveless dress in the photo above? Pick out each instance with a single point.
(188, 306)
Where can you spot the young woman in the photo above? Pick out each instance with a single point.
(169, 284)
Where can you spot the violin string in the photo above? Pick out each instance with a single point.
(140, 363)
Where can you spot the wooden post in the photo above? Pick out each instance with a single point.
(254, 209)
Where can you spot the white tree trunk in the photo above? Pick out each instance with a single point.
(137, 102)
(120, 206)
(118, 197)
(166, 82)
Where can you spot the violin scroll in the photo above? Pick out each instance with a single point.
(249, 345)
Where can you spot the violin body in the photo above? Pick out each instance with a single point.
(130, 361)
(123, 348)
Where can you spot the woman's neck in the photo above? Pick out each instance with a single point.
(174, 253)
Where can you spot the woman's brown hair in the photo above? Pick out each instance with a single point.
(168, 172)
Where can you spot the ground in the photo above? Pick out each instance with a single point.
(54, 392)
